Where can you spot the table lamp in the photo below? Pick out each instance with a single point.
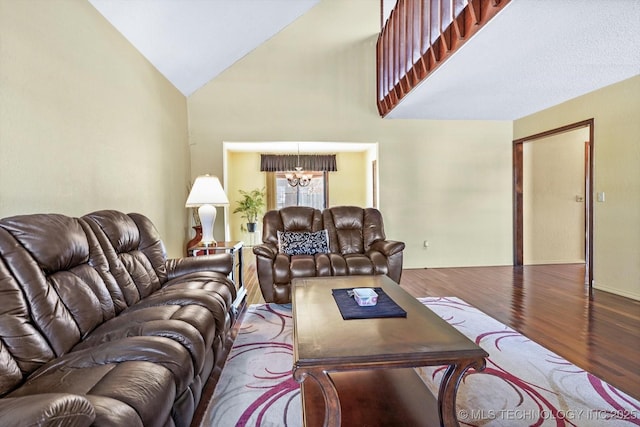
(206, 194)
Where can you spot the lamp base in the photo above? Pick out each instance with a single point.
(207, 214)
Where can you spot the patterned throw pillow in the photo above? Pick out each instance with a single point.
(303, 243)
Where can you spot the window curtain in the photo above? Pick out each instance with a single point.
(288, 162)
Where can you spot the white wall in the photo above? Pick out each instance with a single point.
(86, 123)
(447, 182)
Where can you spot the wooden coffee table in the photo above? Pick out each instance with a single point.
(361, 370)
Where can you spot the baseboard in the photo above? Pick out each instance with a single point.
(553, 262)
(630, 295)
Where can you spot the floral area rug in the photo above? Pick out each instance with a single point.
(524, 384)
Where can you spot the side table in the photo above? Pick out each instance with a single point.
(235, 249)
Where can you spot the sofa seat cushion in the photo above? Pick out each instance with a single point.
(302, 266)
(289, 267)
(113, 412)
(47, 409)
(192, 326)
(281, 293)
(216, 284)
(142, 373)
(358, 264)
(379, 261)
(175, 296)
(141, 386)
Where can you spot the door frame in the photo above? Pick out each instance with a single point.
(518, 177)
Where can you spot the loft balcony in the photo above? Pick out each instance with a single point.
(501, 59)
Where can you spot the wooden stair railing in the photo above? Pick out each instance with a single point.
(419, 36)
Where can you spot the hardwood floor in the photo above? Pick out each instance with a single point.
(550, 304)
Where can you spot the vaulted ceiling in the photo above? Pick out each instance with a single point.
(192, 41)
(534, 54)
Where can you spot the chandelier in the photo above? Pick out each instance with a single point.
(297, 177)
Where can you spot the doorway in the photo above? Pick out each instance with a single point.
(519, 188)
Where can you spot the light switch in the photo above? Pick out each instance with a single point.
(601, 196)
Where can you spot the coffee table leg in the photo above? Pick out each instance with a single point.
(332, 412)
(449, 390)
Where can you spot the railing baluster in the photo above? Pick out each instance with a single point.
(418, 36)
(402, 43)
(415, 43)
(458, 18)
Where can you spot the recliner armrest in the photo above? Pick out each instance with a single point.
(47, 409)
(266, 250)
(222, 263)
(388, 247)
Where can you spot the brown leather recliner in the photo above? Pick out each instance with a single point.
(99, 327)
(356, 245)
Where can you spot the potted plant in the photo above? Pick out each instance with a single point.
(251, 206)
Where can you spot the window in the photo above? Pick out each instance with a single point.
(280, 194)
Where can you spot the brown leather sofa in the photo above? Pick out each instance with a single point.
(98, 327)
(356, 246)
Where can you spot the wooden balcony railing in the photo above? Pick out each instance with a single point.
(419, 36)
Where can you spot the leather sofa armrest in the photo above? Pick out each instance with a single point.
(266, 250)
(388, 247)
(222, 263)
(48, 409)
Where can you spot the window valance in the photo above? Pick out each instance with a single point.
(288, 162)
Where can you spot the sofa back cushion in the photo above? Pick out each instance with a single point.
(352, 229)
(291, 218)
(50, 293)
(126, 249)
(151, 245)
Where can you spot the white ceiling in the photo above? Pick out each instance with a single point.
(192, 41)
(533, 55)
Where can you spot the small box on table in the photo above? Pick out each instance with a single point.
(365, 296)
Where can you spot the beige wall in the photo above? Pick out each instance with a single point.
(347, 186)
(243, 173)
(615, 110)
(86, 123)
(554, 180)
(448, 182)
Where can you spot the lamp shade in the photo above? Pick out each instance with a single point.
(206, 194)
(206, 190)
